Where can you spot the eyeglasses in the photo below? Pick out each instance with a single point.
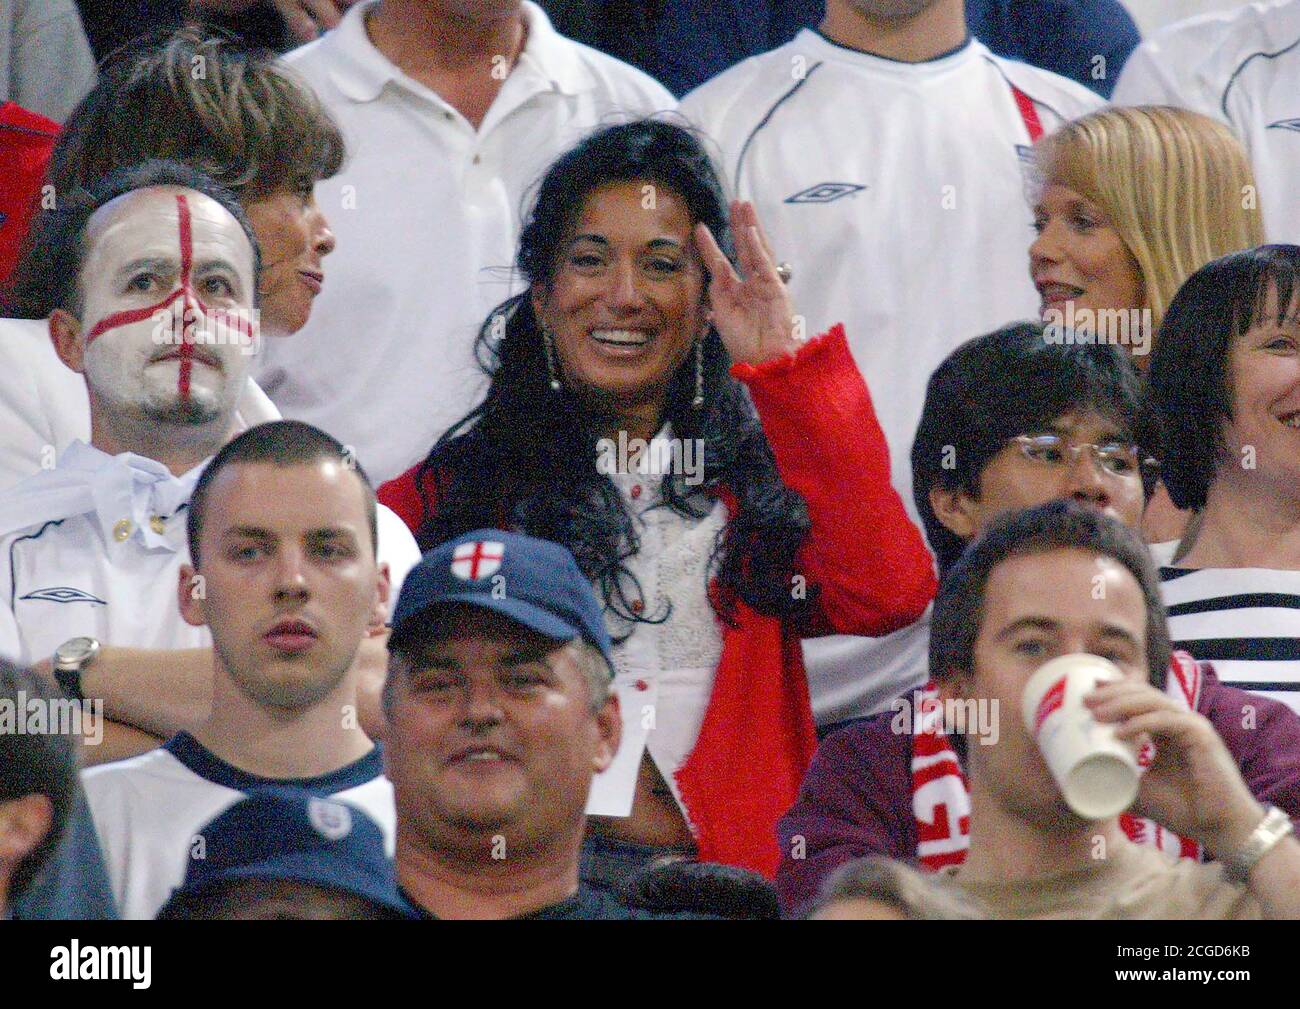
(1115, 458)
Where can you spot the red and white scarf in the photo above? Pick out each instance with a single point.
(941, 799)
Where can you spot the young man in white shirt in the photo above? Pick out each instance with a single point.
(885, 153)
(1241, 67)
(451, 110)
(155, 278)
(282, 533)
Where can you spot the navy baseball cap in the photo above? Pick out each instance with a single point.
(534, 582)
(290, 834)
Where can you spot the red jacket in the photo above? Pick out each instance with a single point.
(868, 560)
(26, 140)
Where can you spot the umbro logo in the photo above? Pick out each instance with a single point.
(63, 594)
(825, 192)
(1286, 124)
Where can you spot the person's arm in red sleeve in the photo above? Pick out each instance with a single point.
(855, 801)
(402, 495)
(1263, 736)
(870, 563)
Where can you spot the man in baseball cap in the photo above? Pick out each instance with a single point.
(499, 714)
(284, 853)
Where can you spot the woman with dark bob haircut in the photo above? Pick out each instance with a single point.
(1225, 378)
(722, 482)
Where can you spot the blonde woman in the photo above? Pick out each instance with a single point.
(1129, 203)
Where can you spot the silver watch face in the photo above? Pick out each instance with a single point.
(75, 651)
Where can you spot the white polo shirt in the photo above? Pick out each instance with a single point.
(150, 809)
(94, 547)
(427, 215)
(44, 407)
(1241, 67)
(896, 191)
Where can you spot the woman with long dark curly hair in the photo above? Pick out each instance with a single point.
(724, 484)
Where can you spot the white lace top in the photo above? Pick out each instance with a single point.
(664, 671)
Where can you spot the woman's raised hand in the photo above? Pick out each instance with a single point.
(754, 315)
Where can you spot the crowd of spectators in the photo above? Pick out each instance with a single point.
(721, 449)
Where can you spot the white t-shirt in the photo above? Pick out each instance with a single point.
(1244, 620)
(110, 570)
(1241, 67)
(427, 215)
(897, 192)
(44, 407)
(148, 809)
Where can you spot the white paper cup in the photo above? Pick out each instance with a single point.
(1097, 773)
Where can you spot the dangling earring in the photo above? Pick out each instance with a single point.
(698, 401)
(548, 351)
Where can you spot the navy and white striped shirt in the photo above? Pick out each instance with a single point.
(1244, 620)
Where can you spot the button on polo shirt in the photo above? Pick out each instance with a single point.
(427, 215)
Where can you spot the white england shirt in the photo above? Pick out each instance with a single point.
(94, 548)
(149, 810)
(427, 215)
(1241, 67)
(897, 192)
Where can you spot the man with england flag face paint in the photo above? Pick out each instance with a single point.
(167, 327)
(156, 274)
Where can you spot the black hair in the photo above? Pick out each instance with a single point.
(49, 274)
(726, 891)
(526, 457)
(1057, 525)
(1014, 381)
(1190, 375)
(280, 443)
(36, 763)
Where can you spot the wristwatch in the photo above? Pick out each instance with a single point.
(1275, 826)
(70, 658)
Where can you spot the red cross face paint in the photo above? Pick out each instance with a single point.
(167, 288)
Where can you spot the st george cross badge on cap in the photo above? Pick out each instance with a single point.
(472, 561)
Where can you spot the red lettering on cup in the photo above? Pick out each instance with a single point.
(1052, 700)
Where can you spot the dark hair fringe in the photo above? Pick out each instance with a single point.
(1007, 383)
(1190, 374)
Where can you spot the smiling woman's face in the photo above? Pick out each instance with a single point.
(627, 300)
(1079, 257)
(1264, 369)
